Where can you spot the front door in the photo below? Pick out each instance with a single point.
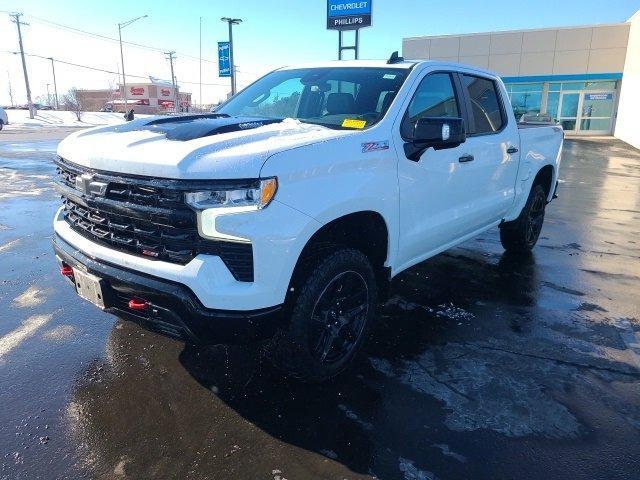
(568, 111)
(586, 112)
(596, 112)
(432, 195)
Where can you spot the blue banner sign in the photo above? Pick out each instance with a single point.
(224, 60)
(598, 96)
(348, 15)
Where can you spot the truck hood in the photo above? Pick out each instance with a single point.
(193, 147)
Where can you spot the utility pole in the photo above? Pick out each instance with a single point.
(55, 86)
(200, 98)
(124, 80)
(232, 22)
(48, 95)
(170, 56)
(16, 20)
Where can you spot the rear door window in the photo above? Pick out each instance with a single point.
(486, 107)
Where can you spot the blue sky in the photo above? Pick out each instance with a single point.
(273, 33)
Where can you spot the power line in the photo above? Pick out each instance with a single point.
(146, 77)
(110, 39)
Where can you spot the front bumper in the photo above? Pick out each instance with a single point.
(173, 309)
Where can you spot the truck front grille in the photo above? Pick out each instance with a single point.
(144, 217)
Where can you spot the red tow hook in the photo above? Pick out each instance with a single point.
(66, 271)
(138, 304)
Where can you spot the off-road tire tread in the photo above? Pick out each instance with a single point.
(513, 235)
(286, 350)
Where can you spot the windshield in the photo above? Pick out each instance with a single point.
(336, 97)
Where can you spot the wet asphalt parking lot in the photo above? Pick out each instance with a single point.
(481, 366)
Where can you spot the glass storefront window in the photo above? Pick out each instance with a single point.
(572, 85)
(526, 87)
(600, 85)
(577, 105)
(597, 105)
(553, 99)
(595, 124)
(526, 102)
(569, 105)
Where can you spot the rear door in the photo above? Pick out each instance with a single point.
(492, 149)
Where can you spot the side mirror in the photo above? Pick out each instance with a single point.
(436, 132)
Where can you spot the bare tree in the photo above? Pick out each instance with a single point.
(71, 101)
(10, 89)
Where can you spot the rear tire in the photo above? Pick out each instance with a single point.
(521, 235)
(330, 317)
(1, 124)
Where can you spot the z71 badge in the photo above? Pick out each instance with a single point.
(375, 146)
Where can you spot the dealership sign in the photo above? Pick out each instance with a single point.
(346, 15)
(224, 60)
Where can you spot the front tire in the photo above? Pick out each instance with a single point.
(1, 124)
(330, 316)
(521, 235)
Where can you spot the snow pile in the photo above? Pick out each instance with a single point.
(19, 119)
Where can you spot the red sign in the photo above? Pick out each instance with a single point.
(165, 92)
(137, 90)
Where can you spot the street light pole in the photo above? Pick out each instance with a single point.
(124, 80)
(232, 22)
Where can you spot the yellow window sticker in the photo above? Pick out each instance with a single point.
(352, 123)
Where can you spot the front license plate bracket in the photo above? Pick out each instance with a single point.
(89, 287)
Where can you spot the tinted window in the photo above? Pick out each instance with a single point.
(434, 97)
(485, 105)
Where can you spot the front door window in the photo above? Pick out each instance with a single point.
(568, 116)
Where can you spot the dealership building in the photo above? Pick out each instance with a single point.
(587, 78)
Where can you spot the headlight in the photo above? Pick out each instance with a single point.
(210, 204)
(258, 196)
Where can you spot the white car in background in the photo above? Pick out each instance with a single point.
(4, 118)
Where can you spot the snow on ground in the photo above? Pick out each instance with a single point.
(19, 119)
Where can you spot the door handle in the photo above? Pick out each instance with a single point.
(465, 158)
(512, 150)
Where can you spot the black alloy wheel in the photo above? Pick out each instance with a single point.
(338, 317)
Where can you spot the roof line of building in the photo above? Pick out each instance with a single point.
(546, 29)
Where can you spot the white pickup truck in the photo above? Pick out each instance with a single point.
(284, 214)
